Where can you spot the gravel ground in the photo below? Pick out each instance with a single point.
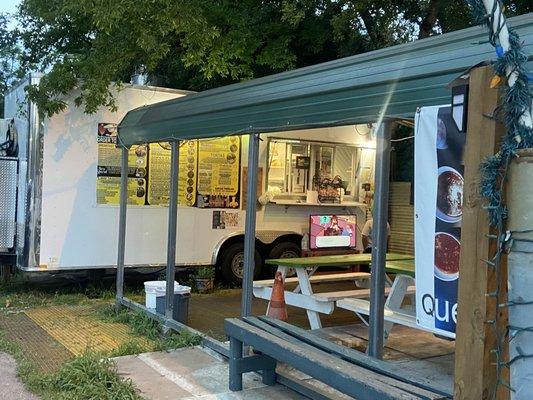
(10, 386)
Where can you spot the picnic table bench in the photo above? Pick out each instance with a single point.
(395, 312)
(347, 370)
(304, 297)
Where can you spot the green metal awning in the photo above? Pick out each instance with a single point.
(392, 82)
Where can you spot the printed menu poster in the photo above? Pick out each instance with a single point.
(439, 148)
(109, 170)
(218, 166)
(159, 173)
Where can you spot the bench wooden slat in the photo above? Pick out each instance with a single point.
(287, 331)
(351, 379)
(350, 276)
(356, 294)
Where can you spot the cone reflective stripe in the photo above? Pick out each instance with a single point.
(277, 308)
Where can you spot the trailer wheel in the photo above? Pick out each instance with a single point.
(284, 250)
(232, 265)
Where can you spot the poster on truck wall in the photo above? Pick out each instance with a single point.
(439, 148)
(159, 173)
(108, 169)
(218, 172)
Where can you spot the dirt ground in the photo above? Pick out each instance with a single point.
(11, 388)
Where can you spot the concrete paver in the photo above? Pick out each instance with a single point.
(192, 373)
(10, 386)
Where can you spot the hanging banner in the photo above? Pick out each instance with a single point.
(439, 182)
(159, 173)
(109, 170)
(218, 172)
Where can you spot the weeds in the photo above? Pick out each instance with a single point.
(24, 292)
(90, 377)
(139, 323)
(131, 347)
(142, 325)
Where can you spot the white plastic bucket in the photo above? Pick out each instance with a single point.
(150, 290)
(180, 289)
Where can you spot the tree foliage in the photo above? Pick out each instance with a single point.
(195, 45)
(9, 53)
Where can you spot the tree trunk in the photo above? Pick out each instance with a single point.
(427, 24)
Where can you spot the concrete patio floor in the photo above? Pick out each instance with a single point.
(192, 373)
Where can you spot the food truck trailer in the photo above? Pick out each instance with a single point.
(60, 189)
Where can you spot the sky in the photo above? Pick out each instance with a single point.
(8, 5)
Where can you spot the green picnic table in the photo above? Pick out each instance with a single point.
(404, 267)
(397, 263)
(305, 267)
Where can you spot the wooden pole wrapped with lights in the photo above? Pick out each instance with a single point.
(511, 169)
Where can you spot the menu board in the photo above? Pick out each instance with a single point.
(159, 173)
(109, 169)
(159, 179)
(188, 172)
(208, 167)
(439, 182)
(218, 166)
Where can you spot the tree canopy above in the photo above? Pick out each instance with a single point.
(196, 45)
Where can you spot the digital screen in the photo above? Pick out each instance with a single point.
(332, 231)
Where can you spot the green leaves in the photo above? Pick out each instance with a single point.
(188, 44)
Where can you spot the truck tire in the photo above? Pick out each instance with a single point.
(233, 262)
(283, 250)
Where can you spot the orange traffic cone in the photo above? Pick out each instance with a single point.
(277, 308)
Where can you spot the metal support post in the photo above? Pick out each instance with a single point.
(172, 226)
(122, 225)
(379, 239)
(249, 229)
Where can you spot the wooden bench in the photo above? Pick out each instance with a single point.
(346, 370)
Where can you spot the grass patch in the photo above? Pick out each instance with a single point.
(88, 377)
(141, 325)
(23, 292)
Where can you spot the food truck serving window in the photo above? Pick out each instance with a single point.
(296, 166)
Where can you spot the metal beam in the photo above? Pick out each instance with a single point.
(122, 224)
(249, 229)
(379, 238)
(172, 228)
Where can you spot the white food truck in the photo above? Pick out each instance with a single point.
(59, 189)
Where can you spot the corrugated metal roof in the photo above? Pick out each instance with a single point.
(393, 81)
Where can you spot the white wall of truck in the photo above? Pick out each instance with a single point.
(78, 233)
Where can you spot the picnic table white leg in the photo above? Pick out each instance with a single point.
(305, 288)
(396, 296)
(310, 273)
